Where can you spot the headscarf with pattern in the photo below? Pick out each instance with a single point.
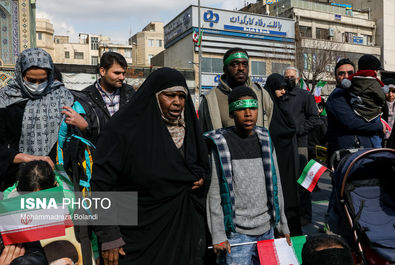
(41, 117)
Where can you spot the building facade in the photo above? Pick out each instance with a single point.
(17, 24)
(87, 51)
(147, 43)
(383, 12)
(270, 42)
(325, 33)
(45, 35)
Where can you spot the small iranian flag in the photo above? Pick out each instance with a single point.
(311, 174)
(197, 37)
(33, 216)
(303, 85)
(278, 252)
(317, 91)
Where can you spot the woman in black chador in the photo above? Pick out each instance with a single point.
(283, 133)
(154, 146)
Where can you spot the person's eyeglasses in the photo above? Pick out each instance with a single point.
(344, 72)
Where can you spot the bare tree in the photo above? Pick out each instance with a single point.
(316, 58)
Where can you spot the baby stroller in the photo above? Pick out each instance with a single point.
(362, 204)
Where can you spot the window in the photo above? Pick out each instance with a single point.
(94, 60)
(128, 53)
(159, 43)
(305, 31)
(94, 43)
(57, 41)
(279, 67)
(112, 49)
(151, 43)
(348, 37)
(39, 35)
(322, 34)
(78, 55)
(67, 55)
(258, 68)
(212, 65)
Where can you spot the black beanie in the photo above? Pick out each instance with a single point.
(369, 62)
(61, 249)
(239, 92)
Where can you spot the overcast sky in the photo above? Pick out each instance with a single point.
(118, 19)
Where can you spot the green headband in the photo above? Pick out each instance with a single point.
(243, 104)
(237, 55)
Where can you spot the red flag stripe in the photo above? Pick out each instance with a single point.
(34, 235)
(266, 252)
(316, 178)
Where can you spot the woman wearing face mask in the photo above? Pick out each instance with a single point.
(31, 109)
(283, 133)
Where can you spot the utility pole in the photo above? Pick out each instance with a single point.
(200, 55)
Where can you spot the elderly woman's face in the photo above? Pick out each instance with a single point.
(172, 104)
(36, 75)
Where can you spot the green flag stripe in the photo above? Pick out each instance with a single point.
(305, 171)
(297, 244)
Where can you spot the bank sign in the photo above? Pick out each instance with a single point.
(234, 21)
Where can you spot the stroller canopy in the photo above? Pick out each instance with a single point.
(364, 164)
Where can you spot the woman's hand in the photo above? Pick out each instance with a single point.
(111, 256)
(24, 158)
(73, 118)
(198, 184)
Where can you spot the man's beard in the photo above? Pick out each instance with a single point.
(109, 86)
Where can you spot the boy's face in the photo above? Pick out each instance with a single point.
(245, 119)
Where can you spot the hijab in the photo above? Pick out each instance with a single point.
(176, 127)
(41, 117)
(284, 124)
(137, 152)
(141, 127)
(283, 133)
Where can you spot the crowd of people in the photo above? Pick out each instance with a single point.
(227, 177)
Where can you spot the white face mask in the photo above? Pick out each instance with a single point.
(34, 88)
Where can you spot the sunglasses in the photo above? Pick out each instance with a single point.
(344, 72)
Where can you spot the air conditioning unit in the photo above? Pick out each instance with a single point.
(331, 32)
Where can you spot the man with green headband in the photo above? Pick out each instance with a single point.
(213, 109)
(245, 201)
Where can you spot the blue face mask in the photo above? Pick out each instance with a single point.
(34, 88)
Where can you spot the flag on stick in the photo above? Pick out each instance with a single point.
(317, 91)
(303, 85)
(34, 216)
(311, 174)
(278, 252)
(199, 42)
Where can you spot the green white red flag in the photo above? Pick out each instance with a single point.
(303, 85)
(311, 174)
(278, 252)
(33, 216)
(197, 37)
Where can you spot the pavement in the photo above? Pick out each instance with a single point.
(320, 201)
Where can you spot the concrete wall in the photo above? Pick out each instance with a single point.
(44, 28)
(180, 54)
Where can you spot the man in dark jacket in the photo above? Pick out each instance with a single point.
(107, 95)
(301, 105)
(345, 128)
